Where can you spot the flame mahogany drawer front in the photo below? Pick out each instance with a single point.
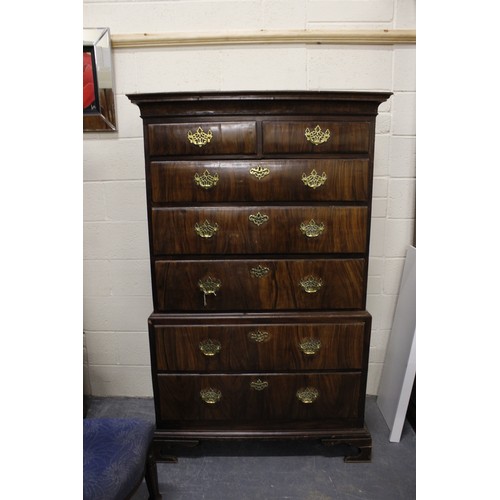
(259, 229)
(259, 208)
(246, 181)
(314, 137)
(260, 397)
(253, 285)
(202, 139)
(267, 347)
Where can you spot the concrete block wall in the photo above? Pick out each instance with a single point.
(117, 294)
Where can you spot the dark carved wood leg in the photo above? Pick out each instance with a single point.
(163, 448)
(358, 448)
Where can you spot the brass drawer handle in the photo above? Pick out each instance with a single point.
(206, 230)
(307, 395)
(206, 180)
(311, 284)
(259, 271)
(312, 229)
(210, 347)
(310, 346)
(258, 219)
(317, 136)
(210, 395)
(260, 172)
(258, 336)
(199, 138)
(259, 385)
(314, 180)
(209, 286)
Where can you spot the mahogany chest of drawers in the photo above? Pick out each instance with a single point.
(259, 223)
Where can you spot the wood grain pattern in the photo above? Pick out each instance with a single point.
(357, 36)
(180, 397)
(345, 230)
(289, 137)
(346, 180)
(227, 138)
(276, 349)
(178, 290)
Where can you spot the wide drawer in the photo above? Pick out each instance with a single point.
(236, 138)
(283, 180)
(316, 137)
(259, 229)
(258, 285)
(261, 347)
(259, 397)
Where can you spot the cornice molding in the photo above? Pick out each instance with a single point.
(315, 37)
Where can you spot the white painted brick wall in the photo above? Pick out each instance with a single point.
(105, 158)
(243, 68)
(350, 11)
(117, 283)
(404, 14)
(402, 159)
(115, 240)
(340, 67)
(125, 200)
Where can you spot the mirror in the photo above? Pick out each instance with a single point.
(98, 83)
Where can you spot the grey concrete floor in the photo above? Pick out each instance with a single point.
(279, 471)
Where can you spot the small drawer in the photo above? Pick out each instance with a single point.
(260, 347)
(259, 397)
(259, 285)
(246, 181)
(316, 137)
(226, 138)
(259, 230)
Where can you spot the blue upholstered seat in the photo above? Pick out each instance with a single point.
(115, 452)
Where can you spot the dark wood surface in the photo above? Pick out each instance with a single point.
(180, 398)
(174, 181)
(177, 285)
(227, 138)
(340, 230)
(263, 347)
(289, 137)
(164, 106)
(258, 158)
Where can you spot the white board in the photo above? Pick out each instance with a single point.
(399, 369)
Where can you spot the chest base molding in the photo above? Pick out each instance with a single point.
(355, 445)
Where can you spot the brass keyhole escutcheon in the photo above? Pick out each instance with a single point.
(258, 219)
(259, 271)
(259, 336)
(259, 385)
(259, 172)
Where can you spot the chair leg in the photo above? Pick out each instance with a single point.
(152, 476)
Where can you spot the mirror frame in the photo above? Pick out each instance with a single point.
(99, 115)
